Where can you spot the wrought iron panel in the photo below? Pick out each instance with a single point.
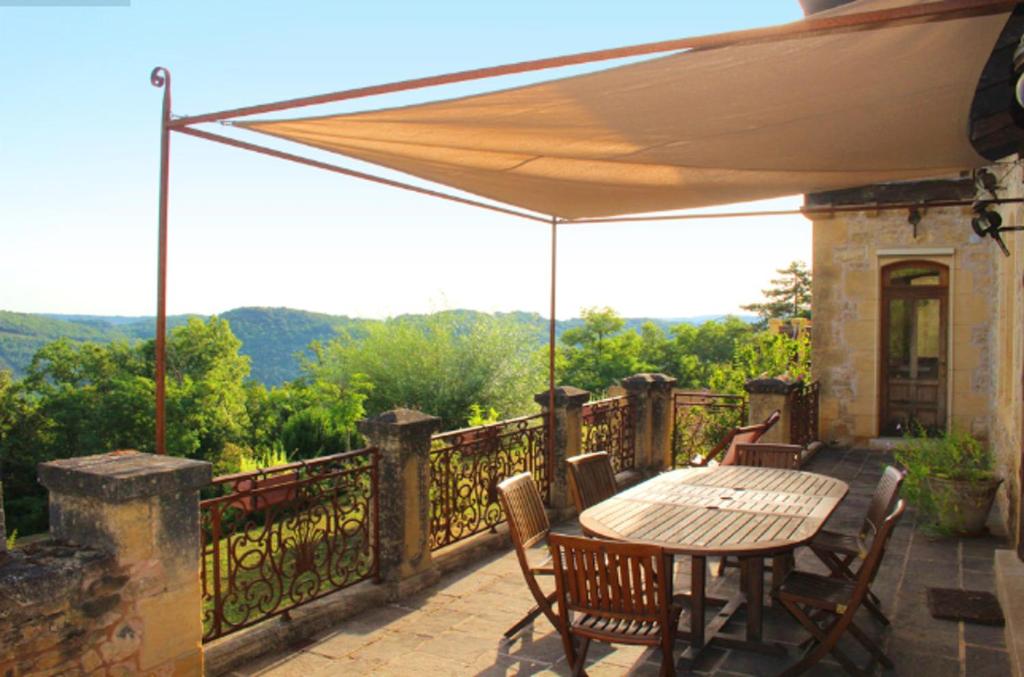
(276, 538)
(608, 426)
(700, 421)
(803, 423)
(466, 467)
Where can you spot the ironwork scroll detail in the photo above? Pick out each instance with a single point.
(277, 538)
(803, 422)
(466, 467)
(608, 426)
(700, 421)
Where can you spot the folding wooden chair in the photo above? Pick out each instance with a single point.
(528, 524)
(758, 455)
(839, 551)
(726, 449)
(613, 592)
(591, 479)
(826, 606)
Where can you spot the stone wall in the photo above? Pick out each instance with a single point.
(986, 351)
(849, 251)
(1007, 338)
(67, 609)
(116, 590)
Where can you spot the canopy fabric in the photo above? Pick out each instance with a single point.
(695, 129)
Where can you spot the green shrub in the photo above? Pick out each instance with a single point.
(954, 455)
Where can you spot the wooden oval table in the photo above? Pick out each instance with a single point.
(749, 513)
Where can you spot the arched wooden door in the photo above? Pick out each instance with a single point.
(915, 330)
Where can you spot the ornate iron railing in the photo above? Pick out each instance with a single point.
(700, 421)
(467, 465)
(280, 537)
(803, 422)
(608, 426)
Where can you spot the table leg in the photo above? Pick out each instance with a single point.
(781, 565)
(753, 572)
(698, 568)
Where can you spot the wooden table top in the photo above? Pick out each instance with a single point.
(723, 510)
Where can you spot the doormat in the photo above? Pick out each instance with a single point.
(973, 606)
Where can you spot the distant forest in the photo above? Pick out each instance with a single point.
(93, 391)
(275, 339)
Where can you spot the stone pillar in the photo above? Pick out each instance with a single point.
(767, 395)
(662, 421)
(403, 438)
(648, 395)
(568, 435)
(144, 510)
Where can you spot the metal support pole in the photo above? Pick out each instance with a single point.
(161, 77)
(551, 351)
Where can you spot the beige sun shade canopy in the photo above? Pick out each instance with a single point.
(698, 128)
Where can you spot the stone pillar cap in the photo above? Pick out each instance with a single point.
(639, 381)
(405, 419)
(565, 396)
(771, 386)
(121, 476)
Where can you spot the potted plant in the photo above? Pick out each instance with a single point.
(950, 479)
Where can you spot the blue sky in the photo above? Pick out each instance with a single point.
(79, 127)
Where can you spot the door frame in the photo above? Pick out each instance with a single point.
(885, 295)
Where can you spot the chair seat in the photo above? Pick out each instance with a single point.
(839, 543)
(622, 630)
(821, 592)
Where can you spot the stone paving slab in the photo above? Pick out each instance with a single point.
(455, 627)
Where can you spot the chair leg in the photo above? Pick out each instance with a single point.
(668, 663)
(873, 609)
(826, 641)
(721, 566)
(532, 615)
(569, 646)
(581, 660)
(870, 645)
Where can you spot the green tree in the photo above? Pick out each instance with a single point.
(600, 352)
(789, 295)
(441, 364)
(697, 352)
(206, 396)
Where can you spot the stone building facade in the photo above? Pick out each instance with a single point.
(975, 350)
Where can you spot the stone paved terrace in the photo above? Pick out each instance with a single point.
(455, 627)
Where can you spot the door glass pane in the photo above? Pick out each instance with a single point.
(927, 338)
(914, 277)
(914, 345)
(899, 343)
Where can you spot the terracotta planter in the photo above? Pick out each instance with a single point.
(963, 505)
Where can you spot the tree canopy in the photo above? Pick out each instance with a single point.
(789, 296)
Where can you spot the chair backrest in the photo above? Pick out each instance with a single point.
(591, 479)
(887, 492)
(873, 558)
(524, 509)
(749, 435)
(611, 579)
(763, 455)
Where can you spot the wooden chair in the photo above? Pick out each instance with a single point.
(839, 551)
(591, 479)
(826, 606)
(613, 592)
(761, 455)
(726, 449)
(758, 455)
(528, 525)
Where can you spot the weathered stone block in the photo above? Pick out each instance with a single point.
(402, 437)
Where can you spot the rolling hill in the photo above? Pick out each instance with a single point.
(273, 338)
